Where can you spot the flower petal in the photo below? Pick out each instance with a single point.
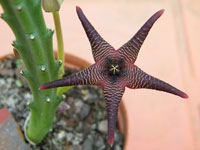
(139, 79)
(99, 46)
(88, 76)
(130, 50)
(112, 94)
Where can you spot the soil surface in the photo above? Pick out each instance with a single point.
(80, 122)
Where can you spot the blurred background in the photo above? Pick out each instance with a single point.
(171, 52)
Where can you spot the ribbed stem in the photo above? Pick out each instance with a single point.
(34, 44)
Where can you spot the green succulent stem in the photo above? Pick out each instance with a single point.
(60, 42)
(34, 44)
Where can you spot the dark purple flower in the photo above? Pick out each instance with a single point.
(114, 70)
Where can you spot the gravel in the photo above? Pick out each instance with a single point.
(103, 126)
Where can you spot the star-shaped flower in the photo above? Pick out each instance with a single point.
(114, 70)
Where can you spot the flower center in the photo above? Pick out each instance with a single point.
(114, 68)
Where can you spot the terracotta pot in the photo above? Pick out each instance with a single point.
(72, 61)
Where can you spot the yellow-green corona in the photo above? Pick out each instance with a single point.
(114, 69)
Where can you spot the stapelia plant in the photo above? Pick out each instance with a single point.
(34, 45)
(114, 70)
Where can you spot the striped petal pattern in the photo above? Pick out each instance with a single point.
(88, 76)
(99, 46)
(130, 50)
(112, 94)
(138, 79)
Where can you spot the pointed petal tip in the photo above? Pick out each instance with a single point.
(181, 94)
(111, 140)
(46, 86)
(42, 87)
(160, 12)
(184, 95)
(78, 8)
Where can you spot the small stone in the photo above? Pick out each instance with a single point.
(70, 123)
(28, 96)
(99, 143)
(75, 141)
(102, 104)
(2, 66)
(84, 92)
(7, 72)
(78, 104)
(80, 126)
(118, 136)
(103, 126)
(70, 100)
(9, 64)
(117, 147)
(62, 107)
(69, 136)
(93, 126)
(9, 81)
(93, 132)
(78, 138)
(61, 135)
(2, 82)
(99, 115)
(72, 147)
(82, 109)
(62, 123)
(87, 144)
(6, 69)
(89, 97)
